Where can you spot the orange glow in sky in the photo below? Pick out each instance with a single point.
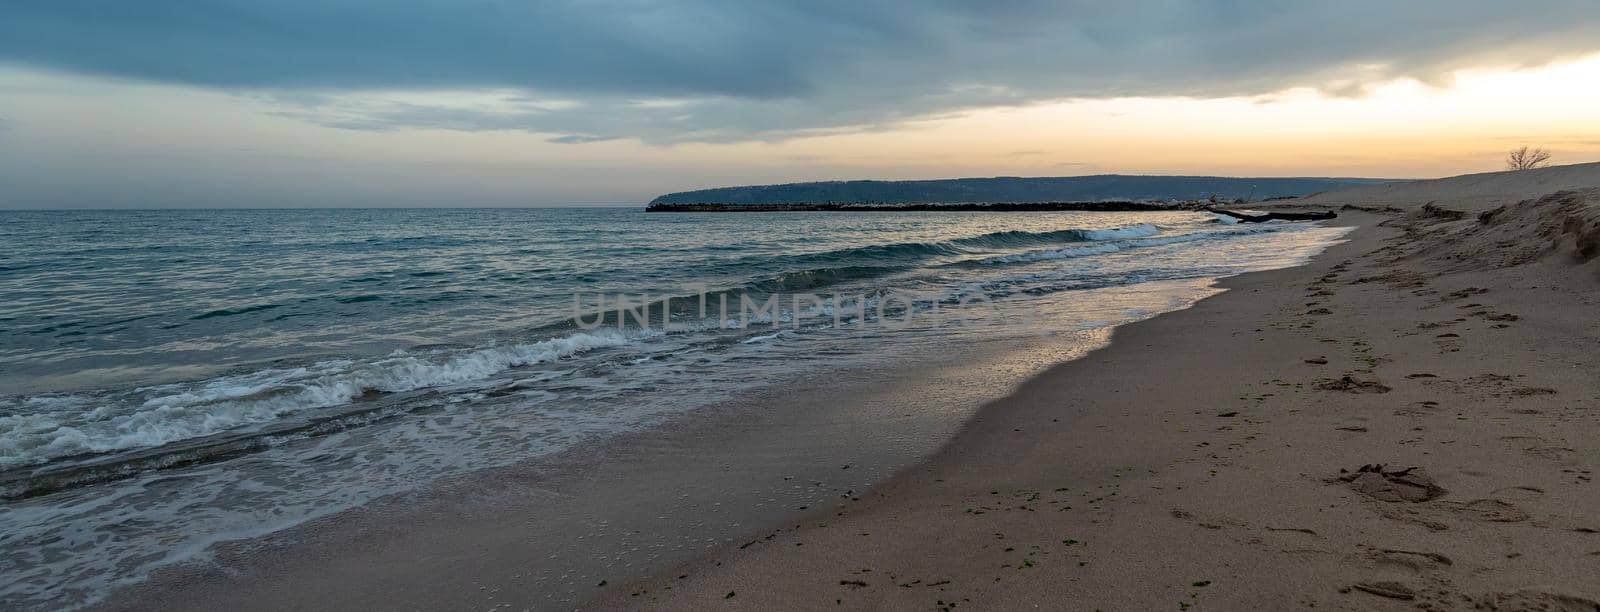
(1399, 129)
(67, 138)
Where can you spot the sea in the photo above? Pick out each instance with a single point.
(174, 379)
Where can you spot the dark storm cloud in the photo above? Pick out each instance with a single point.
(768, 69)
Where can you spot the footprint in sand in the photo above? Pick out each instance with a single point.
(1396, 279)
(1412, 496)
(1528, 391)
(1414, 560)
(1408, 485)
(1465, 293)
(1347, 384)
(1424, 408)
(1448, 343)
(1518, 493)
(1500, 385)
(1386, 588)
(1551, 453)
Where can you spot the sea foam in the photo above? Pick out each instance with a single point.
(42, 429)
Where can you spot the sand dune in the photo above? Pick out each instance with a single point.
(1490, 221)
(1471, 192)
(1563, 227)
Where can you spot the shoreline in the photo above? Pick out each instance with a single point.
(604, 512)
(699, 483)
(1221, 482)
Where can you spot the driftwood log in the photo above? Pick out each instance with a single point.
(1278, 216)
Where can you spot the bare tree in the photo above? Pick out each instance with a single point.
(1527, 159)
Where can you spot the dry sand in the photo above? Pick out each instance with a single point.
(1409, 421)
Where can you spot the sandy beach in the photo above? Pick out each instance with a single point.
(699, 305)
(1407, 422)
(1404, 422)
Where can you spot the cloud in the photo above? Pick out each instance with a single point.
(705, 70)
(581, 139)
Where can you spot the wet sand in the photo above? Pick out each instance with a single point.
(1408, 421)
(550, 533)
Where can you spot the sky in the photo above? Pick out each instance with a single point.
(305, 103)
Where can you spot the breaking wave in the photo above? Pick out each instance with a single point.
(41, 429)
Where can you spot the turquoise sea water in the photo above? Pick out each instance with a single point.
(169, 379)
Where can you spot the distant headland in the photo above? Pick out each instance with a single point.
(1098, 192)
